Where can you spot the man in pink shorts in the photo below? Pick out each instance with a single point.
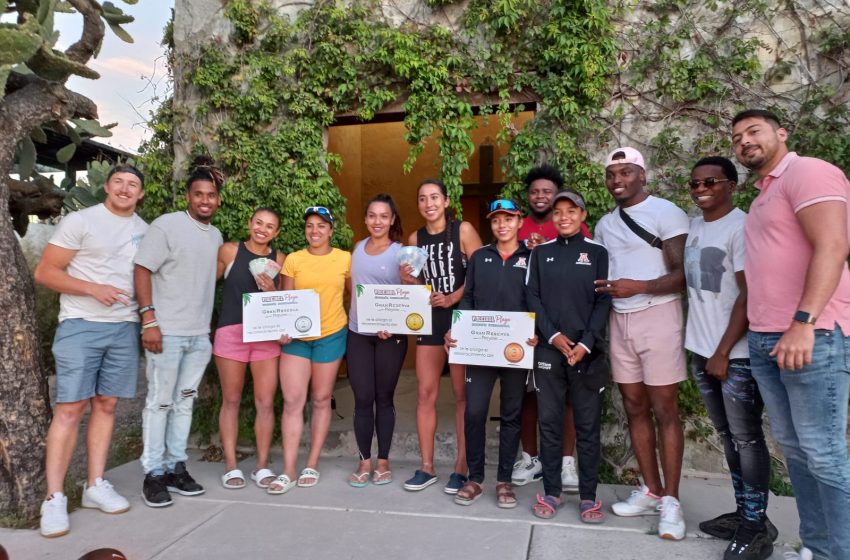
(645, 237)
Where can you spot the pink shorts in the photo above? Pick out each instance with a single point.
(228, 344)
(648, 346)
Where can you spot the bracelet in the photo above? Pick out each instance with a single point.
(145, 309)
(150, 325)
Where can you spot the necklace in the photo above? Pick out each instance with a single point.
(197, 223)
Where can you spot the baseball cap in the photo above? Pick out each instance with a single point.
(320, 211)
(625, 155)
(504, 205)
(572, 196)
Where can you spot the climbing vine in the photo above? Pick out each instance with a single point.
(664, 76)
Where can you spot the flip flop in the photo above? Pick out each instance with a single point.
(259, 476)
(591, 511)
(358, 480)
(306, 474)
(233, 475)
(546, 506)
(281, 485)
(380, 478)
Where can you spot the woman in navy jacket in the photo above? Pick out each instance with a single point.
(495, 281)
(571, 318)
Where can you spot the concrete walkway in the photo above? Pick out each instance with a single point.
(336, 521)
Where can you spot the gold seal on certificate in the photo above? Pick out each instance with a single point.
(414, 322)
(395, 308)
(268, 315)
(492, 338)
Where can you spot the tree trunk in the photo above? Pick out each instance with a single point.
(24, 401)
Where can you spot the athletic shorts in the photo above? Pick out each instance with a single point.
(228, 344)
(441, 322)
(647, 346)
(96, 358)
(323, 350)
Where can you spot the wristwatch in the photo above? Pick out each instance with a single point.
(145, 309)
(804, 317)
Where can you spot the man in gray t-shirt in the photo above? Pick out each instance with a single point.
(175, 286)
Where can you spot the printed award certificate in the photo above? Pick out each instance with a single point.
(492, 338)
(268, 315)
(395, 308)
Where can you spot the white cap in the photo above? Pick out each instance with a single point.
(625, 155)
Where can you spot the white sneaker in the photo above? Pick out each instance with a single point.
(641, 502)
(54, 516)
(569, 476)
(804, 554)
(528, 469)
(671, 526)
(103, 497)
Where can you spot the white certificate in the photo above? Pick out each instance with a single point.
(492, 338)
(268, 315)
(395, 308)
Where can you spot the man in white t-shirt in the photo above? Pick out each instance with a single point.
(716, 334)
(645, 238)
(89, 261)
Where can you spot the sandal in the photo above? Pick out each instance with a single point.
(546, 506)
(467, 495)
(235, 474)
(280, 485)
(308, 478)
(382, 477)
(260, 477)
(505, 497)
(591, 511)
(358, 480)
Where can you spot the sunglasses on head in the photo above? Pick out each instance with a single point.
(320, 210)
(708, 182)
(504, 204)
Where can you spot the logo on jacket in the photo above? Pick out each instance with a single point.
(488, 259)
(550, 259)
(582, 259)
(520, 263)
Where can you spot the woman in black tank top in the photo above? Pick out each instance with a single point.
(232, 356)
(448, 243)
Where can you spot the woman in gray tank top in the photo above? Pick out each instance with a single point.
(374, 361)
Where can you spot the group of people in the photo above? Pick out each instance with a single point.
(767, 325)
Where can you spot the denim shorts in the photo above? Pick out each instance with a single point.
(323, 350)
(95, 358)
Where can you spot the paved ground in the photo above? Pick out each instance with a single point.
(336, 521)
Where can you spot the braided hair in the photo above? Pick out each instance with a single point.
(205, 169)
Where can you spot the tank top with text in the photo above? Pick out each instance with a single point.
(445, 269)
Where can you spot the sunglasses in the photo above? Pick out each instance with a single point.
(708, 182)
(320, 210)
(503, 204)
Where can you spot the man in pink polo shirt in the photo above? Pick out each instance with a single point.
(796, 237)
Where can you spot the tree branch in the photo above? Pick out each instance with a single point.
(93, 30)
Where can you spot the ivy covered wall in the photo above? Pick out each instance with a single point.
(257, 83)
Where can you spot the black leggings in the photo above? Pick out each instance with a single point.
(373, 369)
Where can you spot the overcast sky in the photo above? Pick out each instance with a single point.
(131, 74)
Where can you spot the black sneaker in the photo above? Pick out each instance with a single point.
(154, 491)
(724, 526)
(181, 481)
(749, 543)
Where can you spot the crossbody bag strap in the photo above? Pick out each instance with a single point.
(639, 231)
